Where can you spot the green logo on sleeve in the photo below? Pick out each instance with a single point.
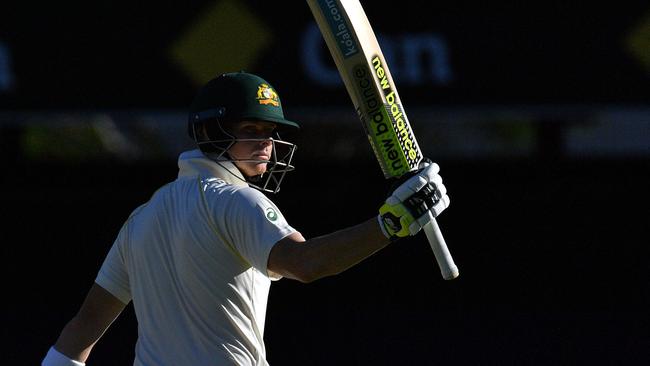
(271, 214)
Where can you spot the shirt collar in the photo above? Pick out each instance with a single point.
(193, 162)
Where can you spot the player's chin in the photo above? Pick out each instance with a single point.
(258, 168)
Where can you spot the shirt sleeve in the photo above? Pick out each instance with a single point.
(254, 224)
(113, 275)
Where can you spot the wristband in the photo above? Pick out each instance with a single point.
(382, 226)
(56, 358)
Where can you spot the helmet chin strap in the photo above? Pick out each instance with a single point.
(270, 180)
(251, 179)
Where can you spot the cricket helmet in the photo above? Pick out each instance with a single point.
(234, 97)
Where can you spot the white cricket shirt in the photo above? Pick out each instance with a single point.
(194, 261)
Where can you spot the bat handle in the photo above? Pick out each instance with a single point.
(443, 257)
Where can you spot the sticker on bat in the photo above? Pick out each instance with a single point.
(339, 27)
(399, 120)
(379, 125)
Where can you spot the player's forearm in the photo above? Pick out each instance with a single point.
(338, 251)
(98, 311)
(328, 254)
(75, 342)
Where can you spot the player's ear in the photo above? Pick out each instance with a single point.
(201, 131)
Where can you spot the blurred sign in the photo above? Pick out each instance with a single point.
(6, 70)
(228, 28)
(107, 54)
(415, 59)
(638, 42)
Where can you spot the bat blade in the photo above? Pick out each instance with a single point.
(368, 81)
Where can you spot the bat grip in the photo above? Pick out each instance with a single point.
(439, 246)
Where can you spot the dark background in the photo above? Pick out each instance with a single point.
(552, 245)
(553, 262)
(109, 54)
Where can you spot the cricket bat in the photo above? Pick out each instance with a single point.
(361, 64)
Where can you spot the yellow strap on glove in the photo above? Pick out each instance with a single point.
(404, 213)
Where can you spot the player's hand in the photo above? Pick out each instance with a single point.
(406, 211)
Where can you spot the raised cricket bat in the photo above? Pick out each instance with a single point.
(362, 66)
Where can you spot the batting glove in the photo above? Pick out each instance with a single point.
(406, 211)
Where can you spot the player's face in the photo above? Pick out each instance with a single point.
(251, 157)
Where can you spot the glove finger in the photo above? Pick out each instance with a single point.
(410, 187)
(446, 200)
(415, 227)
(392, 200)
(424, 163)
(441, 190)
(424, 219)
(440, 206)
(435, 179)
(430, 171)
(433, 167)
(418, 181)
(425, 176)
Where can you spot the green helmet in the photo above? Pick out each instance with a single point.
(238, 96)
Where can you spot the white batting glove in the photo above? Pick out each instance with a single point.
(405, 212)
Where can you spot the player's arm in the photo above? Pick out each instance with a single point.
(404, 213)
(308, 260)
(78, 337)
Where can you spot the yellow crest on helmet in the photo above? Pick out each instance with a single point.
(266, 95)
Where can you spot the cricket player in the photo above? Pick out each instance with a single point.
(198, 258)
